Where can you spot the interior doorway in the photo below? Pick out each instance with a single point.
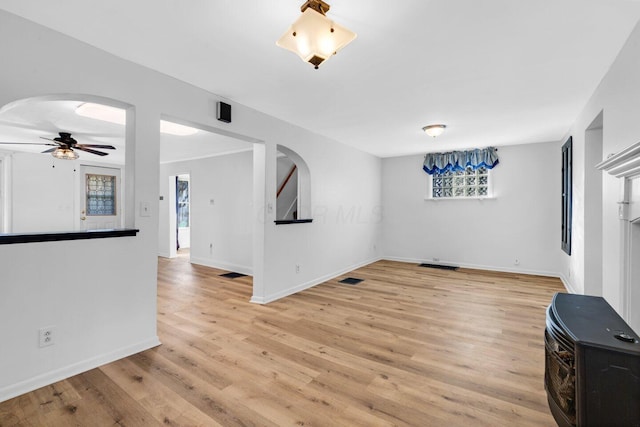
(593, 276)
(183, 223)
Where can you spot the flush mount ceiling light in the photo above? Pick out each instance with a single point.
(119, 117)
(313, 36)
(434, 130)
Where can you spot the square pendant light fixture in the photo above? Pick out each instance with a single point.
(313, 36)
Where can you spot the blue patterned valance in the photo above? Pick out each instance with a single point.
(460, 160)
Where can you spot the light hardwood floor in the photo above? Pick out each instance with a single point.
(409, 346)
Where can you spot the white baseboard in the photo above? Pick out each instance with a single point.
(311, 283)
(567, 285)
(60, 374)
(483, 267)
(223, 265)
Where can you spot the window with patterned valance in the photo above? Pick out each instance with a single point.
(461, 174)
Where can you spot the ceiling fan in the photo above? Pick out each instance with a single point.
(64, 146)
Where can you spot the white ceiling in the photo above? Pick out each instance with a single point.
(497, 72)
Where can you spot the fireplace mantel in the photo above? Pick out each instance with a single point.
(624, 164)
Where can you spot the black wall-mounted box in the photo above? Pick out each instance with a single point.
(224, 112)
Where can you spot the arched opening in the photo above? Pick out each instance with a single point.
(63, 171)
(293, 195)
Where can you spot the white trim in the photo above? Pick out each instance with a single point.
(6, 196)
(3, 190)
(625, 163)
(486, 268)
(222, 265)
(270, 298)
(567, 285)
(38, 381)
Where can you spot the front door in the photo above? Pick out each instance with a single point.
(100, 198)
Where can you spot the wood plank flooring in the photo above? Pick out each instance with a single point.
(409, 346)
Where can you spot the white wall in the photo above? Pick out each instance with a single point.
(345, 208)
(44, 193)
(618, 99)
(227, 224)
(522, 222)
(101, 317)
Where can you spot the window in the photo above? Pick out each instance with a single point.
(101, 195)
(567, 178)
(464, 183)
(461, 174)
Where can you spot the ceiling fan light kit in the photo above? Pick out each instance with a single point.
(313, 36)
(64, 154)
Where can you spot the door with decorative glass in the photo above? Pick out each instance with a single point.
(100, 198)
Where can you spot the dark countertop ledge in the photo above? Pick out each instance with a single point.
(6, 239)
(292, 221)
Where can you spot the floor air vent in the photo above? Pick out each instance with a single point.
(232, 275)
(351, 281)
(440, 266)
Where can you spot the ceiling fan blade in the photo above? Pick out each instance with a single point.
(50, 150)
(28, 143)
(49, 139)
(88, 150)
(106, 147)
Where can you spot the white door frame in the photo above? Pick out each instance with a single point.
(3, 185)
(5, 193)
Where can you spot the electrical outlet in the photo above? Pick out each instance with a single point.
(46, 336)
(516, 262)
(297, 268)
(435, 259)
